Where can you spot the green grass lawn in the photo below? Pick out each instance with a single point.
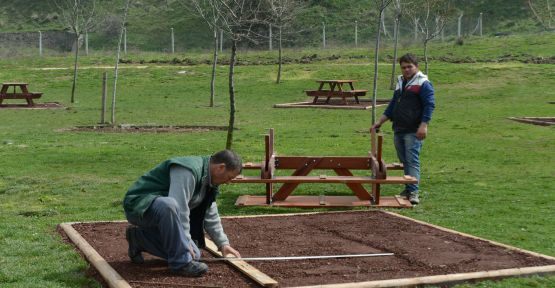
(482, 174)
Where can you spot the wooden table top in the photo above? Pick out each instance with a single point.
(336, 81)
(14, 84)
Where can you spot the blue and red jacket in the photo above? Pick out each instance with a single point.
(412, 104)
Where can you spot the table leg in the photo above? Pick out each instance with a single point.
(332, 88)
(4, 89)
(356, 99)
(24, 88)
(315, 100)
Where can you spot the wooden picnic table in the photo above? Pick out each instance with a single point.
(23, 93)
(336, 89)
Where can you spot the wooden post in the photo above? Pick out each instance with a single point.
(173, 42)
(356, 34)
(266, 168)
(87, 43)
(323, 35)
(221, 40)
(104, 93)
(459, 23)
(480, 23)
(416, 29)
(125, 41)
(40, 43)
(270, 36)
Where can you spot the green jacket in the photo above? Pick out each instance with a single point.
(156, 183)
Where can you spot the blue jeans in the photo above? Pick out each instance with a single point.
(161, 234)
(408, 150)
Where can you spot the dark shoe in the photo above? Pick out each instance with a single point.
(405, 194)
(413, 198)
(133, 252)
(192, 269)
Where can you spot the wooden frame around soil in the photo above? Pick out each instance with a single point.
(114, 280)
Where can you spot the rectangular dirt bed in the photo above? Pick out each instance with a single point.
(420, 250)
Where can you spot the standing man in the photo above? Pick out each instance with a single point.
(410, 110)
(172, 205)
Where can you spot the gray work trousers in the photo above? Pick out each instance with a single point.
(161, 234)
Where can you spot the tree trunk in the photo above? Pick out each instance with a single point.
(280, 59)
(231, 125)
(214, 66)
(426, 56)
(117, 63)
(375, 91)
(75, 68)
(394, 65)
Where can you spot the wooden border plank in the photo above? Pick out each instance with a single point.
(244, 267)
(443, 279)
(110, 275)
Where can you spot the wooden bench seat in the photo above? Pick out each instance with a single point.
(252, 166)
(327, 179)
(27, 96)
(33, 95)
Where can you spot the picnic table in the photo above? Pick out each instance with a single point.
(336, 89)
(23, 93)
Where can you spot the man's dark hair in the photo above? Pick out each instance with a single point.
(409, 58)
(231, 160)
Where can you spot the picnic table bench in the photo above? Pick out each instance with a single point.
(23, 93)
(336, 90)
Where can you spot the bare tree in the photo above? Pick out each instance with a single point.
(398, 13)
(237, 18)
(543, 12)
(380, 7)
(78, 16)
(122, 29)
(432, 15)
(282, 15)
(208, 10)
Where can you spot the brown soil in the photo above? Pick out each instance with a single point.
(419, 250)
(37, 106)
(131, 128)
(109, 241)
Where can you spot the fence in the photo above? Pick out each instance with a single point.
(180, 39)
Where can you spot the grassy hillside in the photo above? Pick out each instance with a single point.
(150, 22)
(482, 174)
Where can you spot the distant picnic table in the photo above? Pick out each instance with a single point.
(336, 90)
(23, 93)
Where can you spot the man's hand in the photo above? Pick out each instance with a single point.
(227, 249)
(379, 123)
(422, 131)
